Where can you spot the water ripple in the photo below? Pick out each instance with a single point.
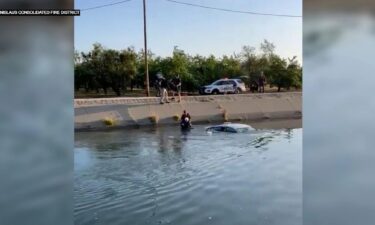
(160, 177)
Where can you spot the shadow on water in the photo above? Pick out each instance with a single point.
(261, 142)
(266, 138)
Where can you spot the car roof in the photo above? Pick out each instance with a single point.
(223, 79)
(232, 125)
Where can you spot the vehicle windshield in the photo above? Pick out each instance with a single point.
(242, 130)
(216, 82)
(239, 81)
(222, 129)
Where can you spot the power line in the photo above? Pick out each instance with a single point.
(233, 11)
(110, 4)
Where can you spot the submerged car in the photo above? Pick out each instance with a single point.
(223, 86)
(230, 127)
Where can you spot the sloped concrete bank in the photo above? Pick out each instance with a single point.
(109, 113)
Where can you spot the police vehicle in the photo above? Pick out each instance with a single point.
(224, 86)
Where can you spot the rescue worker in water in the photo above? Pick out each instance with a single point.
(185, 120)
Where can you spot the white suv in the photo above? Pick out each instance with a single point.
(222, 86)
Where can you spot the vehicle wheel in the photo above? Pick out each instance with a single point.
(237, 91)
(215, 92)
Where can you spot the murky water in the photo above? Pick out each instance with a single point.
(164, 176)
(338, 159)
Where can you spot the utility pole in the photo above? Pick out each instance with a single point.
(145, 39)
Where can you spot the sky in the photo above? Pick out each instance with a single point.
(194, 30)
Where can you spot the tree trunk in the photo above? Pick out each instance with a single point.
(278, 88)
(123, 84)
(117, 91)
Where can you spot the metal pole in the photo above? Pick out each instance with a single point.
(145, 39)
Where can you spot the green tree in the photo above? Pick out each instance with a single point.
(284, 75)
(249, 63)
(128, 67)
(268, 48)
(231, 66)
(101, 68)
(294, 72)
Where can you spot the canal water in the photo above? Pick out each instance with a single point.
(165, 176)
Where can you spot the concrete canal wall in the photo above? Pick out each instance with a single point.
(106, 113)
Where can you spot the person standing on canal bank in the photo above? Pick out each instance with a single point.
(157, 84)
(261, 82)
(176, 87)
(163, 91)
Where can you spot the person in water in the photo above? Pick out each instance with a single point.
(188, 116)
(185, 119)
(183, 115)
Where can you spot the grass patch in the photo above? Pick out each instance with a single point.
(176, 117)
(109, 121)
(154, 119)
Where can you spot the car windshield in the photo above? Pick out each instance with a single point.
(242, 130)
(218, 82)
(239, 81)
(222, 129)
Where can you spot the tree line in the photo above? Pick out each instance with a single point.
(122, 70)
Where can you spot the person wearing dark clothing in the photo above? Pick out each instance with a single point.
(261, 82)
(176, 87)
(253, 86)
(183, 115)
(185, 120)
(157, 84)
(157, 87)
(164, 83)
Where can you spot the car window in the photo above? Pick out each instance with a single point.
(218, 82)
(232, 82)
(242, 130)
(239, 81)
(230, 129)
(219, 128)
